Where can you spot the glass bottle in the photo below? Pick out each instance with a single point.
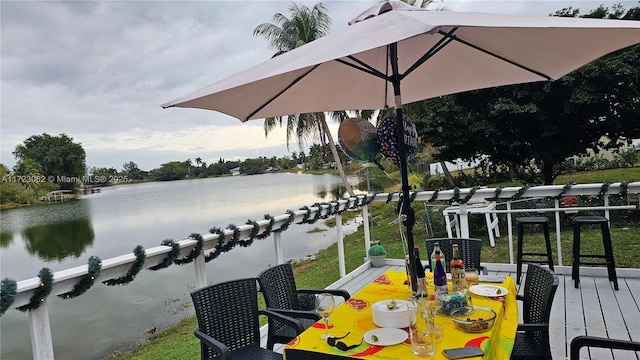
(436, 246)
(439, 277)
(420, 275)
(456, 267)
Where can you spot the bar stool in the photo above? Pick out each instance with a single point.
(578, 221)
(533, 220)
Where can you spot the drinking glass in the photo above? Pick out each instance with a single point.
(421, 333)
(325, 306)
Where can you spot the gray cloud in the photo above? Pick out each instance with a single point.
(99, 70)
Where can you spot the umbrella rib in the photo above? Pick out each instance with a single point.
(281, 92)
(434, 50)
(462, 41)
(364, 67)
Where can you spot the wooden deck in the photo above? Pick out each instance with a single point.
(593, 309)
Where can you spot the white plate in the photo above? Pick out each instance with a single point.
(386, 336)
(488, 290)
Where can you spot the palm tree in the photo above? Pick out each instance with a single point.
(285, 34)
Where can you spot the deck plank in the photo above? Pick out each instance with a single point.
(574, 314)
(557, 322)
(594, 321)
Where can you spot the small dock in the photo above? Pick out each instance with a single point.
(56, 196)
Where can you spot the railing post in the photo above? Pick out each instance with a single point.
(510, 232)
(606, 210)
(367, 236)
(277, 243)
(464, 221)
(559, 243)
(40, 329)
(201, 273)
(343, 271)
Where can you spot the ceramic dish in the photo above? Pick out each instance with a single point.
(397, 317)
(489, 290)
(385, 336)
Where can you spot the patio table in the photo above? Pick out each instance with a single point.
(355, 316)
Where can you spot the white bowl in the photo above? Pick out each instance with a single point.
(391, 318)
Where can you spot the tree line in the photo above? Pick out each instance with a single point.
(46, 163)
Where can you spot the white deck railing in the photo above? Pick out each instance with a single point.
(65, 280)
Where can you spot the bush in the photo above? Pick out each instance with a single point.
(377, 250)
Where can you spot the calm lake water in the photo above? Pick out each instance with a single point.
(114, 222)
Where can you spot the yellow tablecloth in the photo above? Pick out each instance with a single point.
(355, 316)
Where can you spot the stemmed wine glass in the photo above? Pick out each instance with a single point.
(324, 306)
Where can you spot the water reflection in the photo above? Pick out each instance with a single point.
(337, 191)
(6, 238)
(59, 241)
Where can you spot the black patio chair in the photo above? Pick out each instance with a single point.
(468, 249)
(278, 286)
(532, 337)
(228, 324)
(599, 342)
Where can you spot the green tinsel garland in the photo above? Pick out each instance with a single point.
(195, 252)
(520, 192)
(41, 292)
(604, 188)
(469, 195)
(285, 225)
(171, 256)
(565, 188)
(330, 210)
(8, 291)
(372, 197)
(255, 228)
(316, 216)
(435, 194)
(86, 282)
(235, 238)
(267, 232)
(623, 188)
(219, 246)
(497, 193)
(135, 268)
(306, 215)
(456, 195)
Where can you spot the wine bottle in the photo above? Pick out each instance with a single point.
(456, 266)
(436, 246)
(420, 275)
(439, 276)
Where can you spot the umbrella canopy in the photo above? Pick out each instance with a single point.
(439, 53)
(393, 54)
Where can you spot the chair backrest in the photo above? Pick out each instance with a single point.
(540, 288)
(278, 286)
(228, 312)
(468, 249)
(592, 341)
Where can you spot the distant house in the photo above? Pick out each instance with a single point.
(235, 171)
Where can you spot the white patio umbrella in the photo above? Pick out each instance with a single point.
(394, 53)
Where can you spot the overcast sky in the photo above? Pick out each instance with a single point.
(99, 71)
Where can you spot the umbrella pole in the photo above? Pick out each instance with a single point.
(408, 216)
